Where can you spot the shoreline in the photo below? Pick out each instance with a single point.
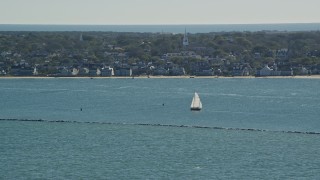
(161, 77)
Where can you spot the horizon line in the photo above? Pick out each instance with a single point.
(169, 24)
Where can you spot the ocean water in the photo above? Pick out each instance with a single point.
(200, 28)
(143, 129)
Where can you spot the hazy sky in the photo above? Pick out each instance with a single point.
(158, 11)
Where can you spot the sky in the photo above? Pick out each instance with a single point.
(115, 12)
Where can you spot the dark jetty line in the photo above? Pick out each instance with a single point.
(161, 125)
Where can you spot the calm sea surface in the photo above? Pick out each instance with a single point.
(205, 28)
(143, 129)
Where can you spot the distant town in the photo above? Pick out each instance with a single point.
(91, 54)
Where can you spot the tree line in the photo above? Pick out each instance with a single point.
(255, 48)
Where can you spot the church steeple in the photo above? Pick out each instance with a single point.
(185, 41)
(81, 38)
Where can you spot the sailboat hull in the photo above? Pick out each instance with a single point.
(195, 109)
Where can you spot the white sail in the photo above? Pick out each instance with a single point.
(196, 102)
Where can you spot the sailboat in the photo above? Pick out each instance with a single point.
(196, 104)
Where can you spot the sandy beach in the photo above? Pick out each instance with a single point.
(163, 77)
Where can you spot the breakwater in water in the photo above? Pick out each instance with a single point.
(160, 125)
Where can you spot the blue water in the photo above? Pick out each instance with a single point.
(122, 131)
(167, 28)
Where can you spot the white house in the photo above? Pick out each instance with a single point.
(267, 71)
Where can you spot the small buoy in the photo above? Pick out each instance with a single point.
(80, 109)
